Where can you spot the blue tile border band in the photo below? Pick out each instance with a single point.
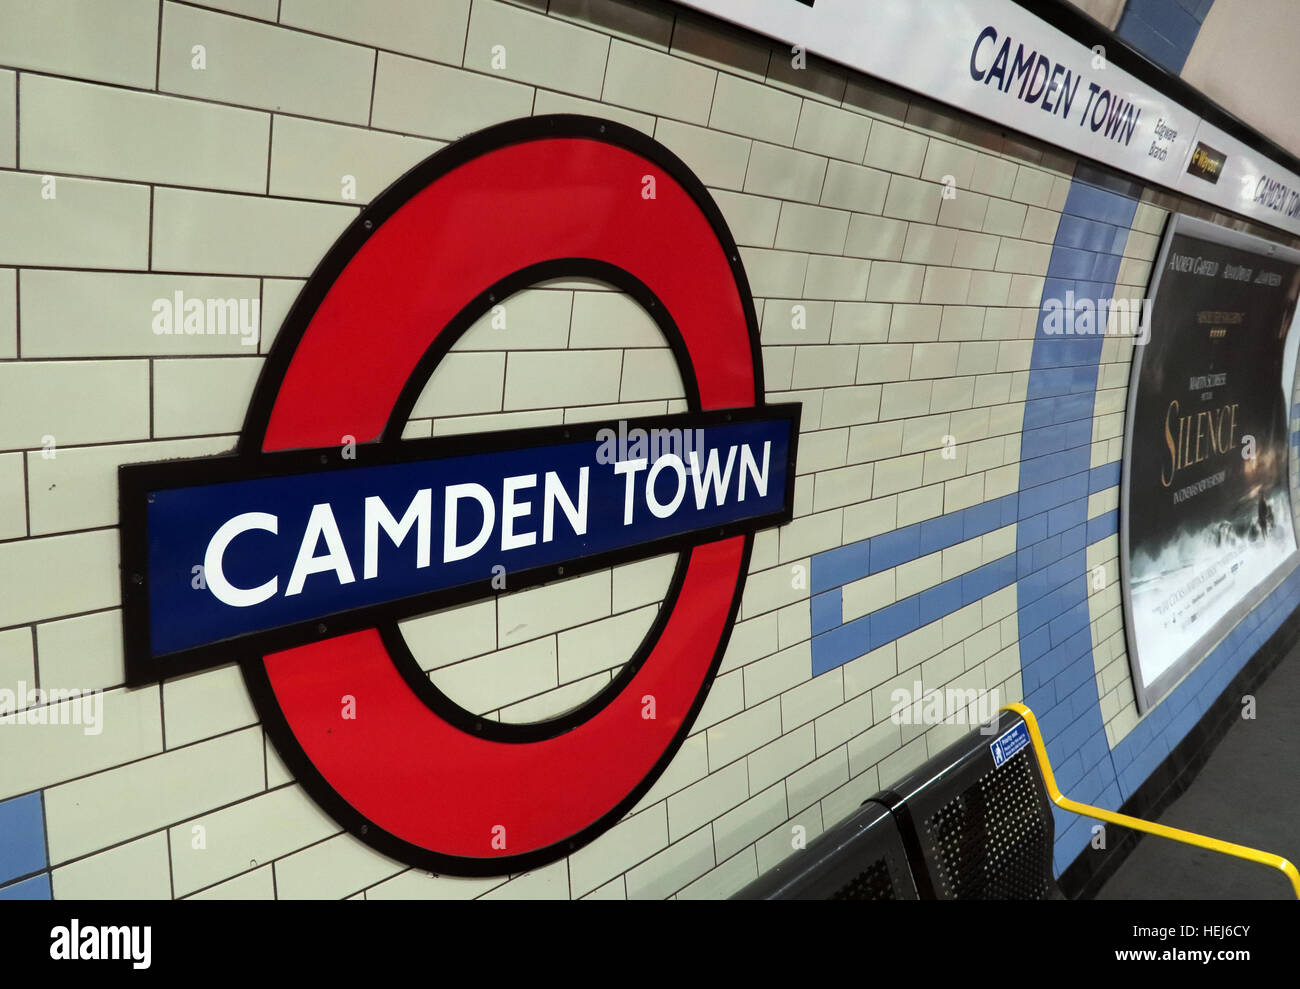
(845, 564)
(35, 888)
(22, 837)
(1058, 675)
(835, 644)
(1163, 30)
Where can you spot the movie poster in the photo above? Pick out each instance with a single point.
(1206, 525)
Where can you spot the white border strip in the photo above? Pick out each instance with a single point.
(976, 55)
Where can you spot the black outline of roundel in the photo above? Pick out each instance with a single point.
(249, 460)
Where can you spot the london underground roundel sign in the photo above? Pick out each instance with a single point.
(297, 555)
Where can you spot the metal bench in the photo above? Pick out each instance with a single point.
(976, 819)
(973, 823)
(861, 858)
(962, 826)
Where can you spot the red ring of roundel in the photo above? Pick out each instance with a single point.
(397, 775)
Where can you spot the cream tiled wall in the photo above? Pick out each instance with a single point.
(1105, 604)
(902, 318)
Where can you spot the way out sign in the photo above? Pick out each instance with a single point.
(311, 551)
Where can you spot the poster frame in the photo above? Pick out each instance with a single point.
(1150, 695)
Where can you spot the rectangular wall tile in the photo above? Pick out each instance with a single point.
(134, 871)
(116, 133)
(101, 314)
(259, 65)
(313, 160)
(654, 83)
(73, 402)
(75, 223)
(417, 97)
(231, 235)
(84, 652)
(111, 40)
(203, 395)
(256, 830)
(77, 489)
(538, 50)
(435, 30)
(100, 810)
(8, 119)
(129, 724)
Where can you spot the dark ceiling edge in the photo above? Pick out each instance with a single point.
(1069, 19)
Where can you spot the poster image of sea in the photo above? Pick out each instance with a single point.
(1206, 522)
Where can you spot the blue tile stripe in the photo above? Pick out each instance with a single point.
(1103, 477)
(851, 562)
(843, 643)
(22, 840)
(1043, 567)
(836, 642)
(35, 888)
(1057, 670)
(1163, 30)
(1056, 478)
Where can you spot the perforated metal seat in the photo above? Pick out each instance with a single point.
(975, 830)
(862, 858)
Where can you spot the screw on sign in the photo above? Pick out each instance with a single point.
(311, 558)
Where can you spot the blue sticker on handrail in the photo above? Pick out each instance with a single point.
(1009, 743)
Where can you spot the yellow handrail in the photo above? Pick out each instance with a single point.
(1137, 824)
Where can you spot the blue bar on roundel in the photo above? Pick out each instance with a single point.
(235, 557)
